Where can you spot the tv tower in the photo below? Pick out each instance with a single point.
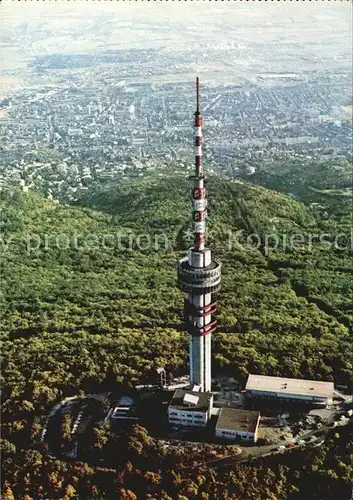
(199, 276)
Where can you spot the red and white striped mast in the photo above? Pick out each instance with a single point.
(199, 195)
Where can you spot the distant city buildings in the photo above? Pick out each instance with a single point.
(101, 131)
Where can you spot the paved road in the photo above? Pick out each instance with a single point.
(254, 452)
(248, 453)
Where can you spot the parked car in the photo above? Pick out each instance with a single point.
(281, 447)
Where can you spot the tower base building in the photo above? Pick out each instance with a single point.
(290, 390)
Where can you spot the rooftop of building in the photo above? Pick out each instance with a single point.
(238, 420)
(284, 386)
(189, 400)
(125, 401)
(124, 412)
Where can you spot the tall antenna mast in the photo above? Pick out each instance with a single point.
(199, 194)
(197, 95)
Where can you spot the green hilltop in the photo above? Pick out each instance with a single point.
(84, 305)
(88, 306)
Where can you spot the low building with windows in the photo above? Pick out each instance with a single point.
(238, 424)
(190, 408)
(289, 389)
(125, 410)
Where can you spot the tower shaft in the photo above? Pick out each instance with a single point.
(199, 276)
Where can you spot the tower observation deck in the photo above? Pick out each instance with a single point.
(199, 276)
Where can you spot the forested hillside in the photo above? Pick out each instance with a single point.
(89, 303)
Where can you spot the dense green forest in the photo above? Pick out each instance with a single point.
(89, 302)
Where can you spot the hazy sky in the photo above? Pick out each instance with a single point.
(295, 34)
(334, 14)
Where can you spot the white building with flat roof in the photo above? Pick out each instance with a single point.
(238, 424)
(190, 408)
(290, 389)
(125, 410)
